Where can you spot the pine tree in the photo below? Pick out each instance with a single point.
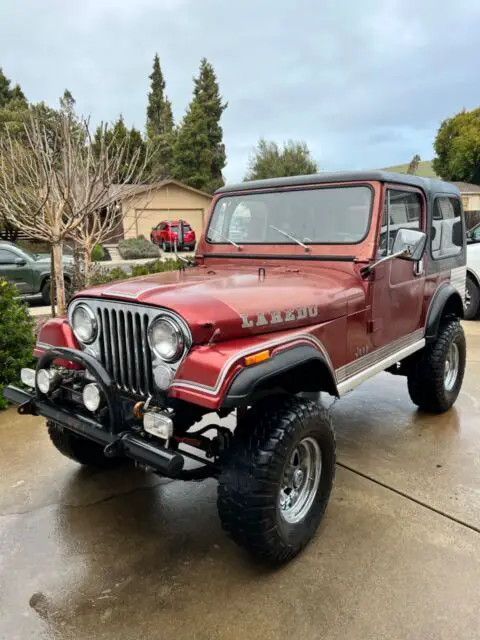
(160, 124)
(159, 108)
(4, 89)
(199, 153)
(115, 138)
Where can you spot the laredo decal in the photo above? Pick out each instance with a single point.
(262, 319)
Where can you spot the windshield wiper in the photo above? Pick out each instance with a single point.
(227, 239)
(287, 235)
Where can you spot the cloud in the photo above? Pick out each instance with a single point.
(364, 84)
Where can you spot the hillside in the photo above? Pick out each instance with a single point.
(424, 169)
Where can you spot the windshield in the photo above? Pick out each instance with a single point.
(327, 215)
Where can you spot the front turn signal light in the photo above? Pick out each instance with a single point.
(261, 356)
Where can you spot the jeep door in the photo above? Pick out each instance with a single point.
(16, 267)
(398, 285)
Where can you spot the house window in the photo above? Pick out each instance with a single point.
(466, 203)
(447, 230)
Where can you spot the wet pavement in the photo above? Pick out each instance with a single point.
(124, 554)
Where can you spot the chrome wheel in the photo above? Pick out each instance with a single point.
(300, 481)
(451, 367)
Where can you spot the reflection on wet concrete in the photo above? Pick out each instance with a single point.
(124, 554)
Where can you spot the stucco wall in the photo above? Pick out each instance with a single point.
(167, 203)
(471, 202)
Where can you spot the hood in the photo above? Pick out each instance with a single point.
(240, 304)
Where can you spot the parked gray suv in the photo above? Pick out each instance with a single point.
(29, 272)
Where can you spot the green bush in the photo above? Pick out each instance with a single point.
(140, 247)
(98, 253)
(16, 337)
(157, 266)
(102, 275)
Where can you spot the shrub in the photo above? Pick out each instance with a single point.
(157, 266)
(16, 337)
(137, 248)
(102, 275)
(98, 253)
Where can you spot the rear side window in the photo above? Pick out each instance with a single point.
(402, 210)
(446, 234)
(7, 257)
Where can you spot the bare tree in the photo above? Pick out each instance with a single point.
(114, 175)
(56, 187)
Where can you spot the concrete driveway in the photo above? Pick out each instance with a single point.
(124, 554)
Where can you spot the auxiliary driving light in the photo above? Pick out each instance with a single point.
(92, 397)
(158, 425)
(27, 376)
(46, 379)
(163, 376)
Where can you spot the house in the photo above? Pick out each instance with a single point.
(144, 206)
(470, 194)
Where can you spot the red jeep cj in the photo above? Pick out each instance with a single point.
(300, 285)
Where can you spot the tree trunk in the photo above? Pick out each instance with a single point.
(59, 282)
(52, 285)
(87, 264)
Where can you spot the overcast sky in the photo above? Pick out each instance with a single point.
(365, 84)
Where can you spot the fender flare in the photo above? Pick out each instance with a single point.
(445, 300)
(248, 380)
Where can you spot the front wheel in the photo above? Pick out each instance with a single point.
(435, 379)
(81, 450)
(277, 478)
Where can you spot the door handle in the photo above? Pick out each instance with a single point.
(418, 268)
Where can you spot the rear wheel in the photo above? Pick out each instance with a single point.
(435, 379)
(472, 299)
(80, 449)
(277, 478)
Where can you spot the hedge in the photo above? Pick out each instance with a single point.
(16, 337)
(140, 247)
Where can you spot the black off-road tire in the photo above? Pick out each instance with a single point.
(46, 290)
(253, 473)
(426, 380)
(473, 293)
(81, 450)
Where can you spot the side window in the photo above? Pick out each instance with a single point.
(447, 230)
(401, 210)
(7, 257)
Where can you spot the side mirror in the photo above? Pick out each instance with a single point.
(409, 244)
(20, 262)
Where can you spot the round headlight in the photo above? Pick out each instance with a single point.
(84, 324)
(166, 339)
(91, 396)
(45, 378)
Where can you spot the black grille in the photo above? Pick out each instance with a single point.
(124, 349)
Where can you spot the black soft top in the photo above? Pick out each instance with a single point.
(429, 185)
